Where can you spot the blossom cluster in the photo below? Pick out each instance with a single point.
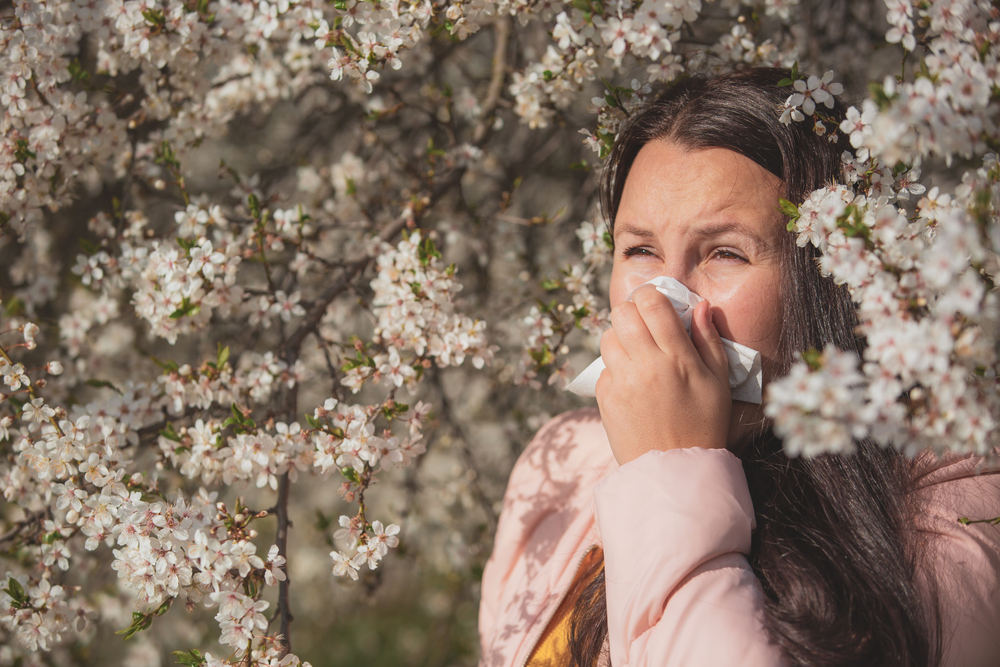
(548, 324)
(923, 277)
(414, 302)
(923, 284)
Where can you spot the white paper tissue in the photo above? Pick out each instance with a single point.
(745, 376)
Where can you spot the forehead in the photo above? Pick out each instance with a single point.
(668, 183)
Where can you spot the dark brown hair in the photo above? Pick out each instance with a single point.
(833, 548)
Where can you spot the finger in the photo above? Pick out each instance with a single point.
(708, 342)
(662, 321)
(630, 329)
(601, 386)
(612, 352)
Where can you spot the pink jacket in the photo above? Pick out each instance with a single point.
(675, 527)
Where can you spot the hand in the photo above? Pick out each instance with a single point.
(661, 389)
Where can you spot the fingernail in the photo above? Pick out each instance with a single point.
(710, 315)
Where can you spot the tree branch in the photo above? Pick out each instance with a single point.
(284, 606)
(501, 33)
(21, 525)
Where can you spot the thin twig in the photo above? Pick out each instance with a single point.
(501, 35)
(284, 606)
(21, 525)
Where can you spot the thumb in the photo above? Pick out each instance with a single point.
(708, 342)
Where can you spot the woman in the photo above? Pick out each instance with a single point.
(671, 529)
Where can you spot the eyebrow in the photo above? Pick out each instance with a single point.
(722, 228)
(626, 228)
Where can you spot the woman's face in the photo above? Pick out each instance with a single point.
(709, 218)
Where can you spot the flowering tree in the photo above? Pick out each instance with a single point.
(235, 236)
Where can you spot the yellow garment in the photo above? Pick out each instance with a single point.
(552, 649)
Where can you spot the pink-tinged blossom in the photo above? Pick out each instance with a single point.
(274, 567)
(343, 564)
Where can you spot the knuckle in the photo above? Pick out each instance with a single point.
(607, 337)
(621, 311)
(602, 381)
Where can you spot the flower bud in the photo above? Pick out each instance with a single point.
(30, 331)
(54, 368)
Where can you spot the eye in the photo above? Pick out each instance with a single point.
(728, 255)
(638, 251)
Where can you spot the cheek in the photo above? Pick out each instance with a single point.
(752, 318)
(627, 276)
(618, 289)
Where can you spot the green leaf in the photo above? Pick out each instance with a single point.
(14, 306)
(542, 357)
(187, 245)
(879, 95)
(165, 155)
(580, 166)
(186, 308)
(102, 384)
(222, 357)
(21, 152)
(323, 521)
(167, 365)
(154, 17)
(427, 251)
(192, 658)
(313, 422)
(16, 592)
(77, 73)
(789, 209)
(89, 247)
(546, 307)
(814, 358)
(608, 240)
(170, 434)
(139, 623)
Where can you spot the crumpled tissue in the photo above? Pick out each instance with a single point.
(745, 376)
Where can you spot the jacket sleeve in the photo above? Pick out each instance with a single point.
(545, 526)
(676, 529)
(961, 561)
